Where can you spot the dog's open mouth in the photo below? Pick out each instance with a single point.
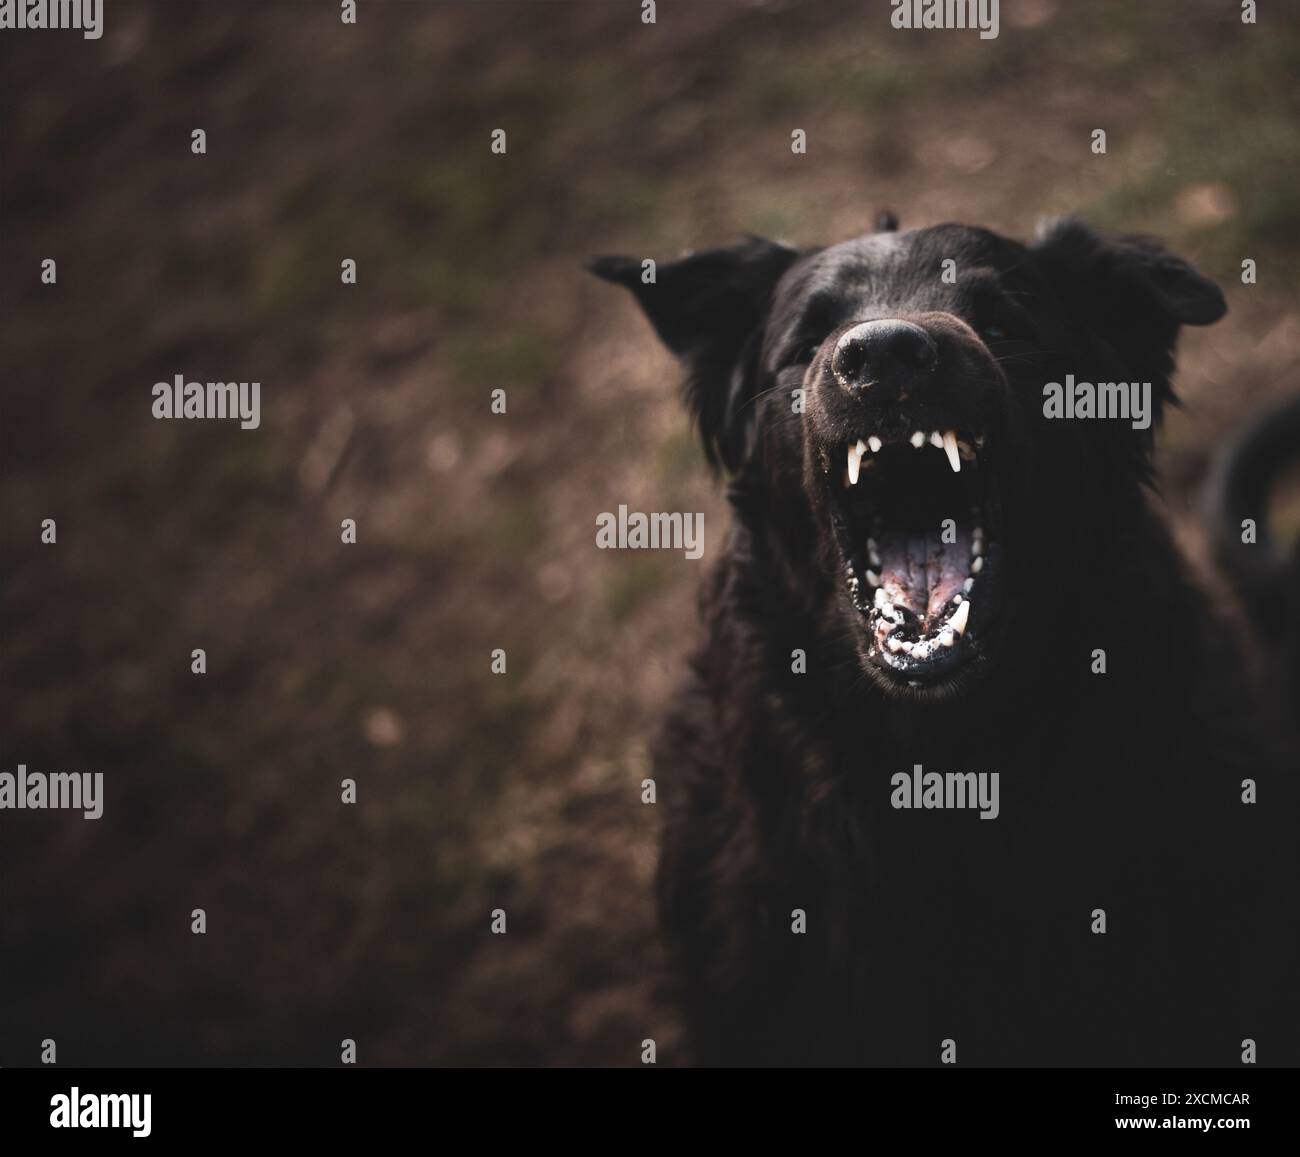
(915, 521)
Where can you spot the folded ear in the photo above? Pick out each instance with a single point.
(707, 308)
(1134, 292)
(1134, 295)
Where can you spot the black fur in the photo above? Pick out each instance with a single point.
(1119, 791)
(1268, 582)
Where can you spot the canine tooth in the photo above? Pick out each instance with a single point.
(958, 621)
(875, 444)
(967, 585)
(936, 439)
(873, 578)
(977, 566)
(949, 443)
(918, 439)
(855, 461)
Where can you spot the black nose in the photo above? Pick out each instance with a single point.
(882, 351)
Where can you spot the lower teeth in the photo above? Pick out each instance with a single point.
(891, 620)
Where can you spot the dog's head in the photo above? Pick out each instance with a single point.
(879, 405)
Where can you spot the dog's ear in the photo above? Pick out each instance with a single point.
(1134, 295)
(706, 308)
(1133, 291)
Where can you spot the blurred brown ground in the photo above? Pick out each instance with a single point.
(475, 531)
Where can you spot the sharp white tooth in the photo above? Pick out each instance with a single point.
(936, 439)
(977, 566)
(875, 444)
(873, 578)
(976, 547)
(881, 600)
(855, 462)
(946, 638)
(967, 585)
(949, 443)
(918, 439)
(958, 621)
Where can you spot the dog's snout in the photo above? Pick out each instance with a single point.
(884, 350)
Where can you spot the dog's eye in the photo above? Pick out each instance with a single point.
(1005, 321)
(800, 358)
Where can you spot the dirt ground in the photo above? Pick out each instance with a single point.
(475, 530)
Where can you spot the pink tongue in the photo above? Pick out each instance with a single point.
(921, 572)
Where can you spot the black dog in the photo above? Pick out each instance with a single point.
(930, 574)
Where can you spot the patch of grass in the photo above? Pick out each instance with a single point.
(1207, 137)
(514, 527)
(518, 360)
(633, 581)
(680, 456)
